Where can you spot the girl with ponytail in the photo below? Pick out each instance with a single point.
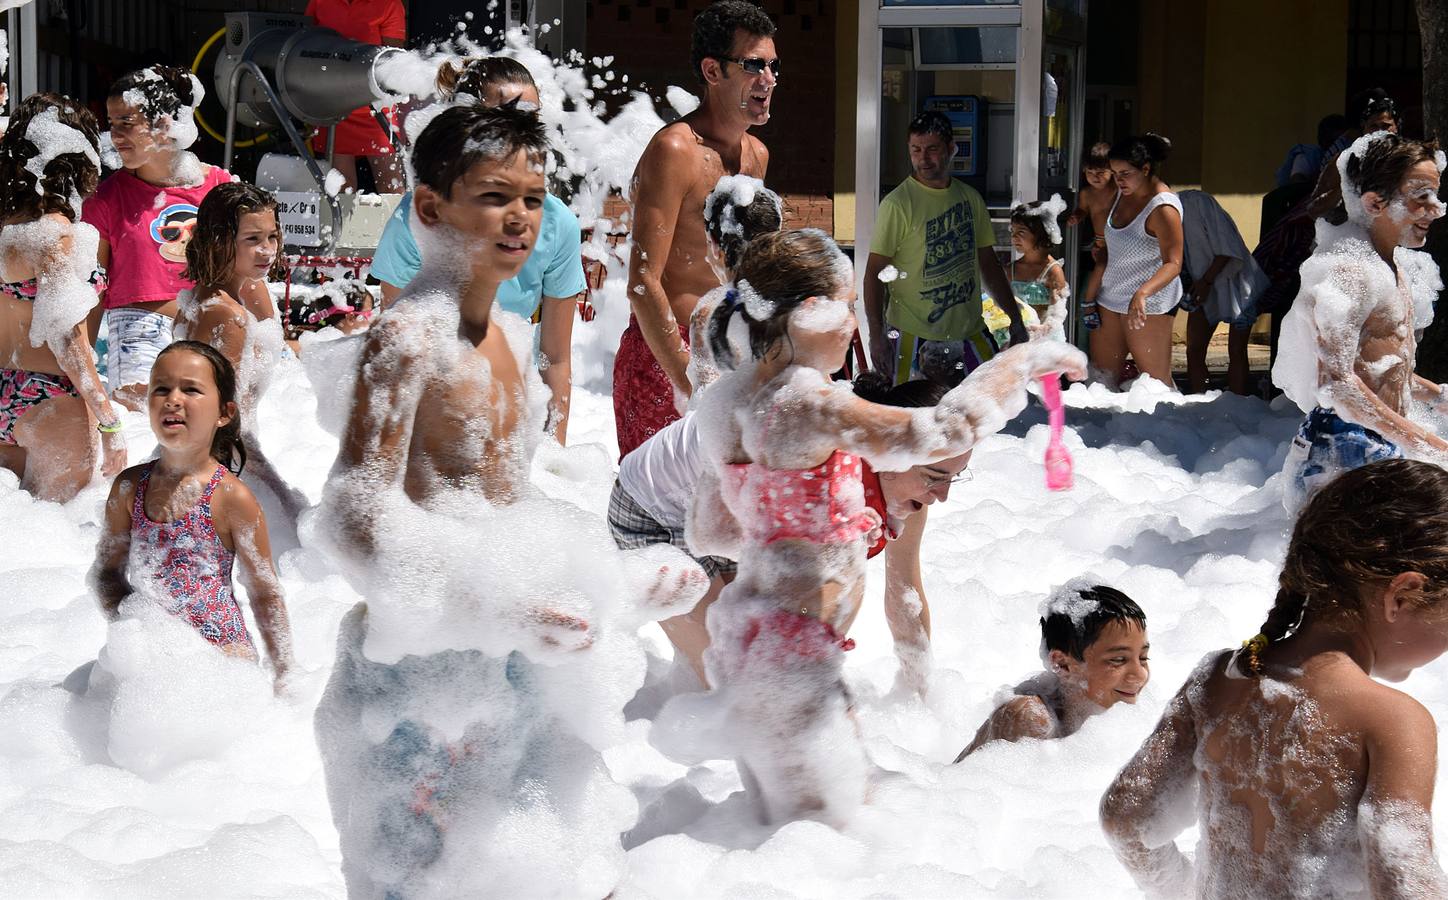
(782, 493)
(1312, 778)
(145, 213)
(175, 525)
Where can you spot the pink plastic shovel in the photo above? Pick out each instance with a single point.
(1059, 473)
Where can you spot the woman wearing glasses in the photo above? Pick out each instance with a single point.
(656, 483)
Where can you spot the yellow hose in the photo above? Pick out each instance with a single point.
(196, 111)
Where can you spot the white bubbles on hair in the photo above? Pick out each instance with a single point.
(53, 138)
(755, 306)
(1049, 212)
(1352, 195)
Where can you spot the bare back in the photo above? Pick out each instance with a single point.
(1295, 774)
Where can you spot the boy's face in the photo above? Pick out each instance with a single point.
(1098, 178)
(496, 207)
(1115, 668)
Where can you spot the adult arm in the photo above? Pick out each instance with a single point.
(1149, 803)
(107, 576)
(1164, 224)
(245, 525)
(999, 286)
(555, 364)
(875, 299)
(1202, 287)
(1395, 825)
(906, 610)
(660, 186)
(564, 284)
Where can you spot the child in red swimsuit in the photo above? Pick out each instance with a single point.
(782, 493)
(174, 526)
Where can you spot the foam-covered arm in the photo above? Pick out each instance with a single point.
(894, 439)
(1395, 827)
(247, 526)
(107, 576)
(709, 527)
(374, 447)
(1152, 800)
(906, 610)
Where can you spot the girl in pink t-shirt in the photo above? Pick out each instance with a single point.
(145, 214)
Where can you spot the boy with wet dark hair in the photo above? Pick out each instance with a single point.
(1093, 642)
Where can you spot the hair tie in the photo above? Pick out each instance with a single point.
(731, 299)
(1254, 646)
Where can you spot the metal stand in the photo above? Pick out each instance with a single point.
(232, 88)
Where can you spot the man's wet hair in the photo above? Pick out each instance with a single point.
(932, 121)
(714, 31)
(1073, 635)
(463, 136)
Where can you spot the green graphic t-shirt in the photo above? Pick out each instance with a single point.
(932, 236)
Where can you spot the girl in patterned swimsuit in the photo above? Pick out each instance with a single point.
(51, 399)
(174, 526)
(233, 250)
(782, 494)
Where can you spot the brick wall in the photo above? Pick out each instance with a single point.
(649, 40)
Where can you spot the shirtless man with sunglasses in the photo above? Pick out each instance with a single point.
(734, 58)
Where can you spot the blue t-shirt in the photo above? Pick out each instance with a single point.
(553, 269)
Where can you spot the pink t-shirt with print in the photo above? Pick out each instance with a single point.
(147, 228)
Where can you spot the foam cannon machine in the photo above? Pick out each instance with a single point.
(276, 71)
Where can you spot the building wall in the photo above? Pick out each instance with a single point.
(1268, 86)
(847, 48)
(649, 40)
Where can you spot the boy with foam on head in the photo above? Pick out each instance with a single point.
(1094, 644)
(461, 727)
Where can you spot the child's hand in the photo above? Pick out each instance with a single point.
(113, 453)
(558, 630)
(877, 527)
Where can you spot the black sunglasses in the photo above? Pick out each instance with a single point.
(755, 65)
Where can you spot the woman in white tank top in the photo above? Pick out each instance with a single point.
(1140, 288)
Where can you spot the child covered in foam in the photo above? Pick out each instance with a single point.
(1349, 343)
(55, 419)
(461, 728)
(1094, 644)
(229, 258)
(782, 493)
(1307, 776)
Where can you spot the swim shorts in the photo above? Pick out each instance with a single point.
(1326, 446)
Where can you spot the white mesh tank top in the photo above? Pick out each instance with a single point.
(1132, 257)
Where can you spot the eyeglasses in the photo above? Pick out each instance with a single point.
(755, 65)
(932, 482)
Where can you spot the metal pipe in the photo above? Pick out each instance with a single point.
(333, 205)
